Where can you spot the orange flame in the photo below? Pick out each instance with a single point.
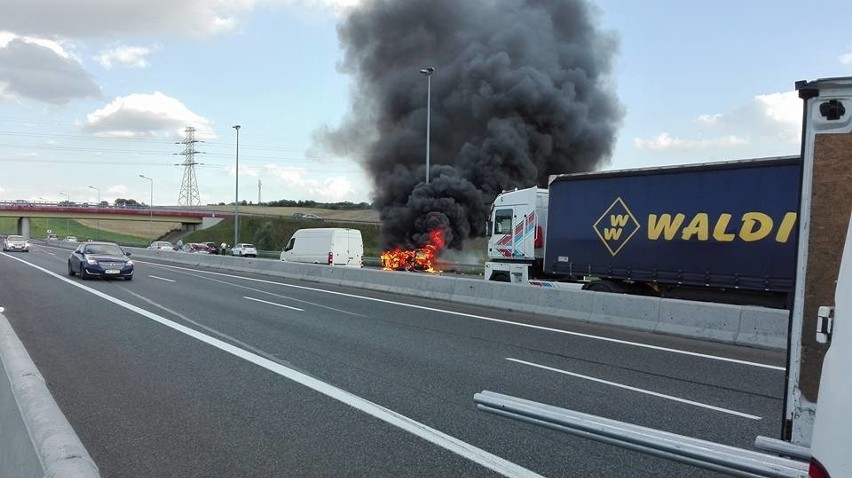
(421, 259)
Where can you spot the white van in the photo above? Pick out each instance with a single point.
(833, 424)
(335, 246)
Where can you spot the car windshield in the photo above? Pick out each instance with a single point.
(248, 246)
(106, 249)
(15, 238)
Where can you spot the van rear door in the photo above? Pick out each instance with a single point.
(342, 247)
(833, 425)
(355, 248)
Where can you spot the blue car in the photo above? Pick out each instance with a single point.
(100, 259)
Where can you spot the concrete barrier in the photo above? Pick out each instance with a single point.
(36, 439)
(720, 323)
(632, 311)
(761, 327)
(571, 304)
(741, 325)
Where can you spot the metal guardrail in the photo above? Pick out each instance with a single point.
(693, 451)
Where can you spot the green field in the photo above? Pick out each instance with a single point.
(62, 228)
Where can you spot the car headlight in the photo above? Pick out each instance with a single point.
(129, 263)
(91, 261)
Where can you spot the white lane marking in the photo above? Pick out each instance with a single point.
(640, 390)
(273, 303)
(436, 437)
(213, 331)
(161, 278)
(500, 321)
(266, 292)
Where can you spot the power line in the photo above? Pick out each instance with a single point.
(37, 161)
(95, 137)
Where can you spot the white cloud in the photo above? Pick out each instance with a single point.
(7, 37)
(846, 58)
(41, 69)
(338, 6)
(709, 120)
(664, 141)
(126, 56)
(96, 18)
(142, 115)
(99, 18)
(291, 175)
(334, 189)
(247, 171)
(117, 189)
(782, 109)
(766, 119)
(774, 116)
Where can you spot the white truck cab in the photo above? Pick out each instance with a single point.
(516, 231)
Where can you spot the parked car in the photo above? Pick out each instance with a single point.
(312, 217)
(70, 239)
(162, 246)
(52, 237)
(195, 248)
(244, 250)
(100, 259)
(16, 243)
(214, 247)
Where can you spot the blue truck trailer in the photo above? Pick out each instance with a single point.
(723, 231)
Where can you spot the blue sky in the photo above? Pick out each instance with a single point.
(97, 93)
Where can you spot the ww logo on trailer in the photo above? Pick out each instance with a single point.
(616, 226)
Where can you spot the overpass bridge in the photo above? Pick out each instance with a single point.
(189, 219)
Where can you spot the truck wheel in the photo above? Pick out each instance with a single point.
(500, 277)
(604, 286)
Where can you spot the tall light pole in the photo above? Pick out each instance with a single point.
(237, 191)
(150, 209)
(98, 221)
(428, 72)
(67, 204)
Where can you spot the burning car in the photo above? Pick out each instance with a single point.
(420, 259)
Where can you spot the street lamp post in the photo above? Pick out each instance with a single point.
(67, 203)
(428, 72)
(98, 221)
(150, 208)
(237, 191)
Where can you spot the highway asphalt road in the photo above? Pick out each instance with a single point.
(185, 372)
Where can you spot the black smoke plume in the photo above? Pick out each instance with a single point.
(522, 90)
